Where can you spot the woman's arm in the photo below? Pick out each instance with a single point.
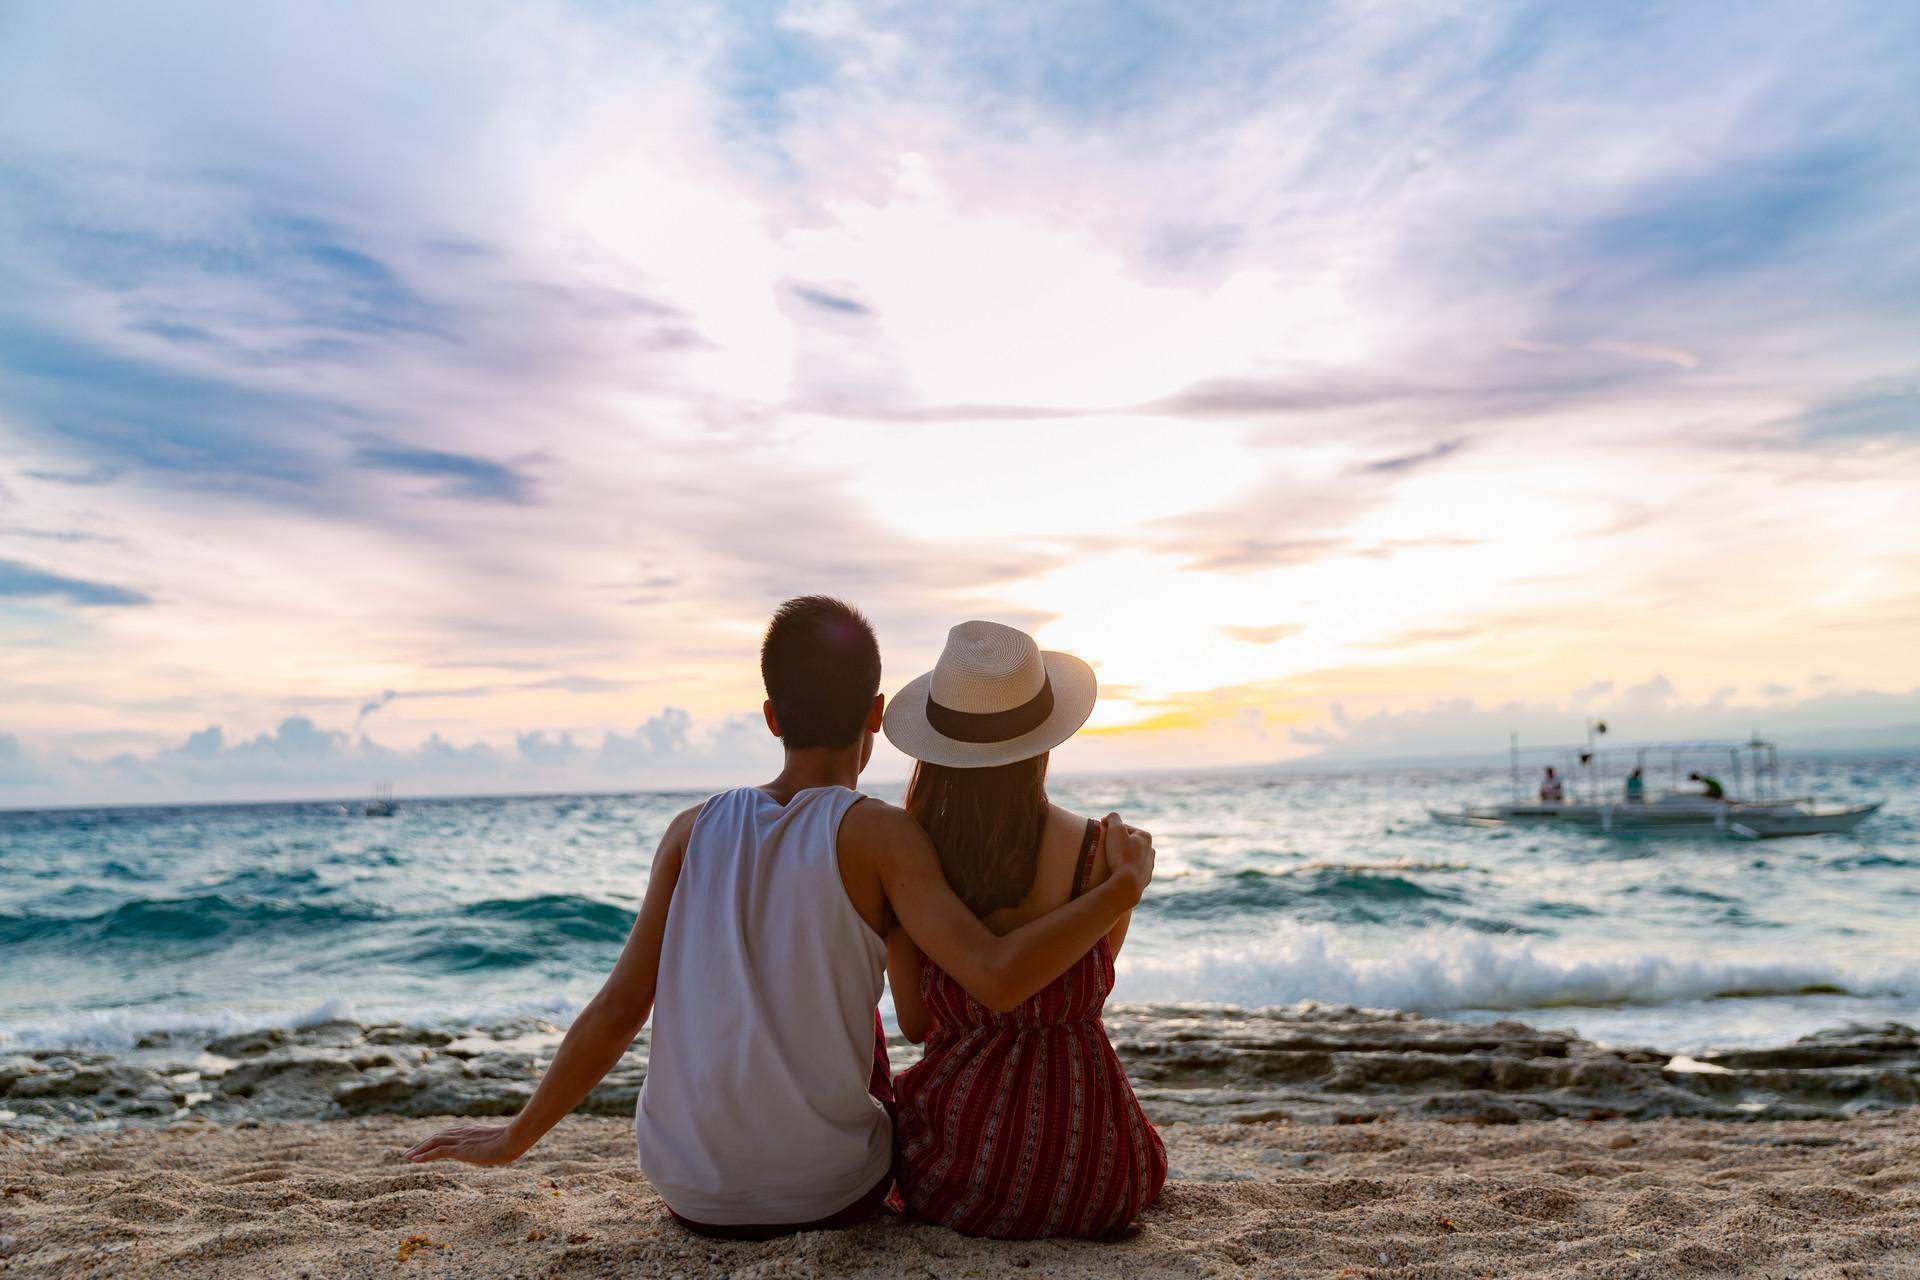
(598, 1038)
(903, 976)
(1097, 874)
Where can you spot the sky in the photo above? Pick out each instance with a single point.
(445, 394)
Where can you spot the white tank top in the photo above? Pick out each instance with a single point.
(755, 1107)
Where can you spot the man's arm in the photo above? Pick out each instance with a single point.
(997, 971)
(598, 1038)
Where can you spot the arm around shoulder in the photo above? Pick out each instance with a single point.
(998, 971)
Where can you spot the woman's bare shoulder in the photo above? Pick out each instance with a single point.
(1064, 824)
(1065, 841)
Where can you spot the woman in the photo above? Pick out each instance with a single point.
(1016, 1124)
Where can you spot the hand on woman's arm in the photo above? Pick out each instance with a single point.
(598, 1038)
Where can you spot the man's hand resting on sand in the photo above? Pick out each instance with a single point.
(473, 1143)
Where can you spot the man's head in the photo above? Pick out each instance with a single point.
(821, 666)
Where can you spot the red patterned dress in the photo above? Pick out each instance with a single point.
(1022, 1124)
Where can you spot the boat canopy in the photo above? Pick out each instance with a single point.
(1596, 772)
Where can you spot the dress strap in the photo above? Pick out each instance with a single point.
(1089, 844)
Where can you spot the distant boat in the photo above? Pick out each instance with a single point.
(1593, 781)
(381, 806)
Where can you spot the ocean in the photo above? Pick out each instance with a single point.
(121, 929)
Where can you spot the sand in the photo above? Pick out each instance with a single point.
(1394, 1198)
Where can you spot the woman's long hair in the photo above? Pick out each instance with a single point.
(986, 825)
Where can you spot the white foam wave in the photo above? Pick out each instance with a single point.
(1455, 969)
(124, 1028)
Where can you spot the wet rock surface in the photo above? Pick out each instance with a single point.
(1305, 1063)
(1317, 1063)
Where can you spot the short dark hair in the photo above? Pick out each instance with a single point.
(821, 666)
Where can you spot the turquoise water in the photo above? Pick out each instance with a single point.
(1271, 889)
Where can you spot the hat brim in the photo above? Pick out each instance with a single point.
(1074, 692)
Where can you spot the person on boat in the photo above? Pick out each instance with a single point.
(1636, 788)
(1709, 785)
(760, 951)
(1017, 1123)
(1552, 789)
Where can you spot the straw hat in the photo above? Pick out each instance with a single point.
(993, 698)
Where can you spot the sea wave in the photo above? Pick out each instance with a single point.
(127, 1027)
(1332, 893)
(559, 914)
(1457, 969)
(222, 914)
(199, 919)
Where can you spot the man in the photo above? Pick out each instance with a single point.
(760, 951)
(1636, 788)
(1710, 786)
(1552, 790)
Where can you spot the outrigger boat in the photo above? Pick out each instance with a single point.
(1594, 783)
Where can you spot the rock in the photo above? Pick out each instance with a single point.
(286, 1083)
(60, 1082)
(1890, 1044)
(430, 1037)
(16, 1066)
(245, 1044)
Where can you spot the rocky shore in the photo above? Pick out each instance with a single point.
(1305, 1063)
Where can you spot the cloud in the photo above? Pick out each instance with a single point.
(55, 535)
(462, 475)
(206, 744)
(1288, 518)
(1743, 215)
(1237, 396)
(92, 476)
(24, 582)
(1410, 461)
(1418, 636)
(374, 704)
(541, 749)
(826, 300)
(300, 758)
(1652, 710)
(1878, 410)
(1656, 691)
(16, 768)
(135, 413)
(1641, 351)
(579, 684)
(1262, 635)
(562, 683)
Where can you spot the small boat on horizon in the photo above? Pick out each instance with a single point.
(1608, 789)
(381, 806)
